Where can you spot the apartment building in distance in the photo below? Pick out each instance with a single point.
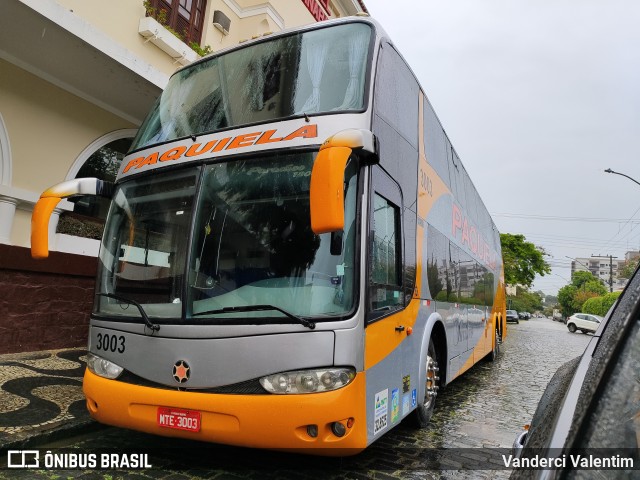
(77, 78)
(605, 268)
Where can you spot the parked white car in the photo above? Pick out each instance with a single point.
(585, 322)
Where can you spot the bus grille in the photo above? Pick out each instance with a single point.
(249, 387)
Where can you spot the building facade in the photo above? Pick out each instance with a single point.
(77, 78)
(605, 268)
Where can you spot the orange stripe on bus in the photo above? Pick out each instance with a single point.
(381, 337)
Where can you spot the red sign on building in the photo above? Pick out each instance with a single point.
(319, 12)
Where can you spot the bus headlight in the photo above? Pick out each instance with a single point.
(308, 381)
(103, 367)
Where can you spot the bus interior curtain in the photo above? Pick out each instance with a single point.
(174, 121)
(316, 58)
(357, 45)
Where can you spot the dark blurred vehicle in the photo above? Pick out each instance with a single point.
(512, 316)
(524, 315)
(592, 404)
(585, 322)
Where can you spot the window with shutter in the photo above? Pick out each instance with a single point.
(184, 17)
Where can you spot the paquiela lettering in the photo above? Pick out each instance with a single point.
(470, 236)
(214, 146)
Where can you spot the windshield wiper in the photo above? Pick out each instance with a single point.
(257, 308)
(153, 326)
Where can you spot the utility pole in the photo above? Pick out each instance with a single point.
(610, 273)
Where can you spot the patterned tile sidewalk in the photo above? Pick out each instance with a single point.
(41, 396)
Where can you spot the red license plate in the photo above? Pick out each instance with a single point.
(179, 419)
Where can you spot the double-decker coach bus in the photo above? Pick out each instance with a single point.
(294, 256)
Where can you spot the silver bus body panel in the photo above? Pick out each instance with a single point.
(349, 348)
(221, 331)
(215, 362)
(397, 377)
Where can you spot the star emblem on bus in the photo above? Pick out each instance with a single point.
(181, 371)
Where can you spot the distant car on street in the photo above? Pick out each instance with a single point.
(524, 315)
(584, 322)
(591, 403)
(512, 316)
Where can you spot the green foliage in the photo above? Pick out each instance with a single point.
(585, 281)
(600, 305)
(483, 289)
(105, 162)
(584, 286)
(593, 305)
(627, 269)
(579, 278)
(608, 300)
(202, 51)
(525, 301)
(522, 260)
(435, 285)
(161, 17)
(565, 299)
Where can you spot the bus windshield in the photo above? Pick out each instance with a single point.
(251, 245)
(320, 70)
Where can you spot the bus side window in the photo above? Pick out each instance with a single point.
(385, 282)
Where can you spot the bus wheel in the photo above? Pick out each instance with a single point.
(496, 345)
(424, 410)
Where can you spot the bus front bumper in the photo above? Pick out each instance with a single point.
(261, 421)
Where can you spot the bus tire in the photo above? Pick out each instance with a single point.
(496, 345)
(424, 410)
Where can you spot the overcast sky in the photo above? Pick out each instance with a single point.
(538, 97)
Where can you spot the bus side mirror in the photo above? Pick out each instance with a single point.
(326, 192)
(48, 202)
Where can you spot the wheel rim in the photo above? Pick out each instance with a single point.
(431, 386)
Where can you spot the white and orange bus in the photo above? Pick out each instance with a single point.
(294, 256)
